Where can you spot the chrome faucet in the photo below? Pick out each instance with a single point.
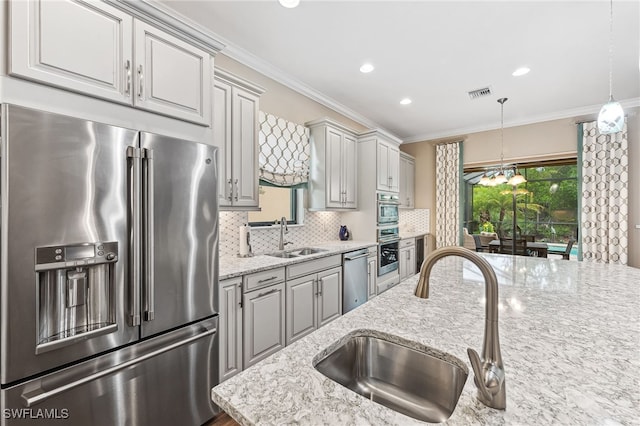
(283, 230)
(488, 372)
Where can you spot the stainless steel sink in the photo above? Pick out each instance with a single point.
(282, 254)
(308, 250)
(410, 381)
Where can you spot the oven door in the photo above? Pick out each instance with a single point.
(388, 255)
(387, 213)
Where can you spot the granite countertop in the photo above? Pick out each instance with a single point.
(569, 335)
(233, 266)
(412, 234)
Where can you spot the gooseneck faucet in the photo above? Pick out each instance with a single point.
(283, 230)
(488, 372)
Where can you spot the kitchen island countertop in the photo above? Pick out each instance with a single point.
(569, 333)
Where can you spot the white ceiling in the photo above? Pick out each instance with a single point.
(434, 52)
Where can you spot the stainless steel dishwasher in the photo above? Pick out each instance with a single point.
(355, 284)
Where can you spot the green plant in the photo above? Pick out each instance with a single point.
(487, 227)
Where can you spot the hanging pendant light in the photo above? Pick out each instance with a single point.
(611, 117)
(484, 180)
(517, 178)
(500, 178)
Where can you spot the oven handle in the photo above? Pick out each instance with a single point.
(388, 240)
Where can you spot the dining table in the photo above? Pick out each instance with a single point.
(535, 249)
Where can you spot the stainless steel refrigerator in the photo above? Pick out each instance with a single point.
(108, 266)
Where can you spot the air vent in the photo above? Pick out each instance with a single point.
(480, 93)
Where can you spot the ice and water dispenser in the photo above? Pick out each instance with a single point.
(76, 295)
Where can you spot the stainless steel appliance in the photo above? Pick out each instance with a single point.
(388, 249)
(109, 242)
(420, 249)
(355, 287)
(388, 209)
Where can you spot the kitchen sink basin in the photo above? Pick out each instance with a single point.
(308, 250)
(282, 254)
(420, 382)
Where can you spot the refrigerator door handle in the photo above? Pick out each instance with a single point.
(133, 154)
(39, 395)
(148, 188)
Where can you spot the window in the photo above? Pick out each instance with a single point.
(546, 206)
(275, 203)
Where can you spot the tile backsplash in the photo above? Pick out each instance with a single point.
(318, 227)
(416, 220)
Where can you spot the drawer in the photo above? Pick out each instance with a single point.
(409, 242)
(261, 279)
(315, 265)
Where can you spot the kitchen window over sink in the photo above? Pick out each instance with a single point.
(283, 158)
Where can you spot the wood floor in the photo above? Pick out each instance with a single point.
(222, 419)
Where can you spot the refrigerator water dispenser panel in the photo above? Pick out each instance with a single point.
(76, 297)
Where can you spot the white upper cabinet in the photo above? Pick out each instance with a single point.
(387, 158)
(172, 77)
(235, 133)
(388, 166)
(80, 46)
(407, 181)
(99, 50)
(334, 166)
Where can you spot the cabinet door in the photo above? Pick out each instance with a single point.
(264, 323)
(329, 296)
(334, 169)
(222, 139)
(244, 141)
(301, 307)
(372, 273)
(393, 168)
(383, 166)
(402, 263)
(409, 179)
(230, 328)
(80, 46)
(350, 171)
(404, 199)
(411, 262)
(172, 77)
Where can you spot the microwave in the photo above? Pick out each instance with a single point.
(388, 213)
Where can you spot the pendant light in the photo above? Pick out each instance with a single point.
(500, 178)
(611, 117)
(517, 178)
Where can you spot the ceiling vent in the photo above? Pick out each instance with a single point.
(480, 93)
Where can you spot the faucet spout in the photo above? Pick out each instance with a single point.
(283, 230)
(488, 371)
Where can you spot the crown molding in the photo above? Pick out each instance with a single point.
(558, 115)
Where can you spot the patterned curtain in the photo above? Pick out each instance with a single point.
(448, 194)
(284, 151)
(605, 195)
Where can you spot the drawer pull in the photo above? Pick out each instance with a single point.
(267, 292)
(267, 279)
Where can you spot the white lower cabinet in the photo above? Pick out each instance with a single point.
(407, 262)
(230, 327)
(264, 323)
(313, 301)
(372, 274)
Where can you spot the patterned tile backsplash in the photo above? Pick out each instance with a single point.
(416, 220)
(318, 227)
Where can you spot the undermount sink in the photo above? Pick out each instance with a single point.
(282, 254)
(425, 386)
(307, 250)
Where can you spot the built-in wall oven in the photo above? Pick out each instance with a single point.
(388, 209)
(388, 250)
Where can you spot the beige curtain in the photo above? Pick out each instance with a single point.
(605, 195)
(448, 194)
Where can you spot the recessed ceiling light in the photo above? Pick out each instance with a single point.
(405, 101)
(289, 3)
(521, 71)
(366, 68)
